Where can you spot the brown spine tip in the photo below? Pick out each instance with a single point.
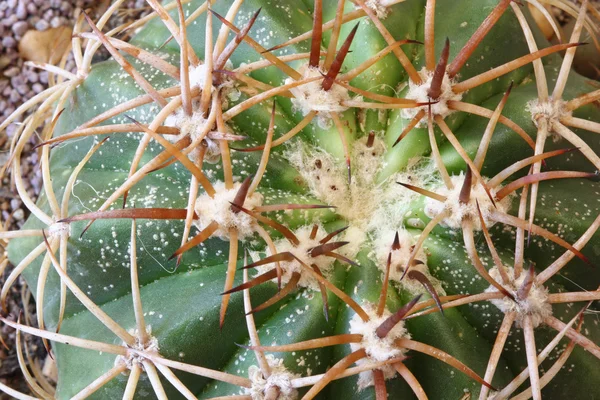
(465, 191)
(313, 232)
(386, 326)
(371, 139)
(525, 288)
(332, 235)
(285, 256)
(267, 276)
(222, 60)
(240, 196)
(336, 66)
(315, 46)
(396, 244)
(326, 248)
(422, 278)
(435, 89)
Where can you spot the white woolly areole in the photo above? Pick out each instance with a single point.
(193, 127)
(550, 110)
(535, 305)
(280, 377)
(131, 358)
(380, 7)
(311, 97)
(377, 349)
(418, 92)
(302, 251)
(197, 76)
(59, 229)
(382, 246)
(458, 211)
(218, 209)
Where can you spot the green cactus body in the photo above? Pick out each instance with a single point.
(181, 303)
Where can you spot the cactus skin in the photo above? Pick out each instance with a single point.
(182, 305)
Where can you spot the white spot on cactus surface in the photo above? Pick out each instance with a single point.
(218, 209)
(311, 97)
(418, 92)
(458, 211)
(280, 378)
(535, 306)
(377, 349)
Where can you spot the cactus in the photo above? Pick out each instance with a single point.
(315, 199)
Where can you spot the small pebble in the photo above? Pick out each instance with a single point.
(42, 25)
(9, 42)
(20, 28)
(19, 214)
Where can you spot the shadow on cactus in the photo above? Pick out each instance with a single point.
(414, 181)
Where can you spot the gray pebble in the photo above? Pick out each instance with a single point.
(17, 80)
(14, 96)
(22, 89)
(21, 12)
(37, 88)
(11, 129)
(11, 72)
(20, 28)
(56, 21)
(42, 25)
(19, 214)
(15, 203)
(8, 42)
(32, 76)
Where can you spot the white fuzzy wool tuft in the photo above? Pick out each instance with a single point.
(280, 378)
(193, 127)
(373, 211)
(328, 179)
(311, 97)
(377, 349)
(218, 208)
(131, 358)
(59, 229)
(197, 76)
(459, 211)
(301, 251)
(535, 305)
(382, 245)
(380, 7)
(550, 110)
(419, 93)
